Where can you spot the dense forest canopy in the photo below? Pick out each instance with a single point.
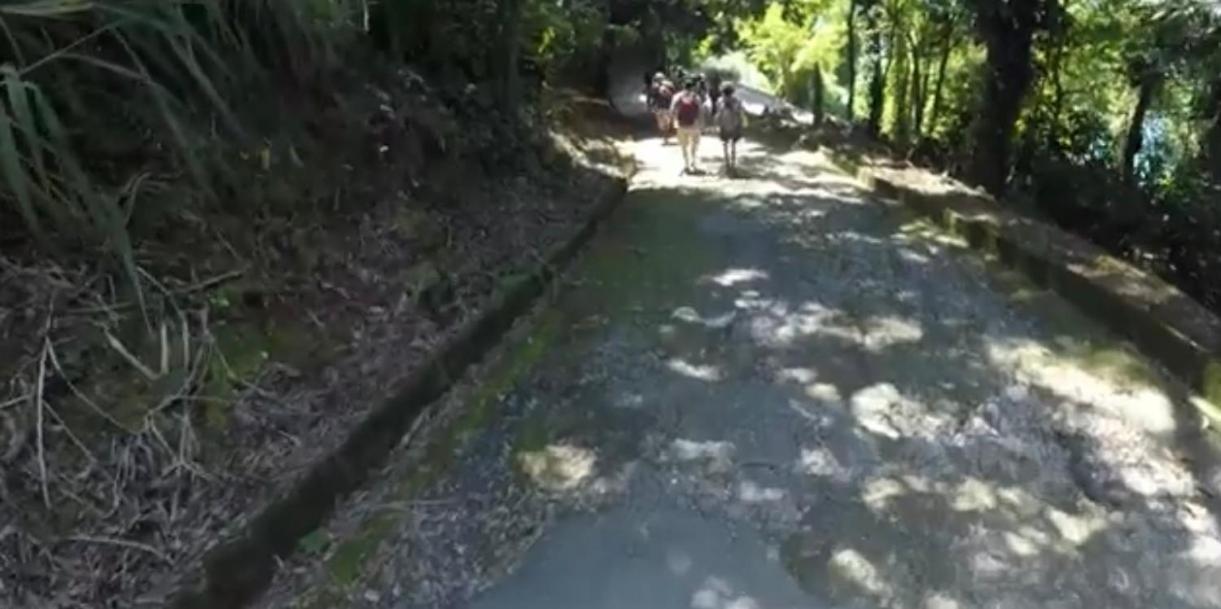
(1125, 83)
(1104, 115)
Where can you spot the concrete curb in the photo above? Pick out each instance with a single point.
(236, 571)
(1162, 321)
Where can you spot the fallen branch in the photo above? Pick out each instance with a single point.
(80, 395)
(200, 286)
(210, 282)
(135, 545)
(71, 436)
(39, 386)
(15, 401)
(118, 346)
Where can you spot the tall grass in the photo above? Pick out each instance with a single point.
(171, 65)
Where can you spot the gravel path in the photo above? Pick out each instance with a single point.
(773, 392)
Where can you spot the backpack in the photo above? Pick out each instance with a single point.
(730, 116)
(688, 110)
(664, 96)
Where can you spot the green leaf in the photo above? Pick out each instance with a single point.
(315, 543)
(17, 179)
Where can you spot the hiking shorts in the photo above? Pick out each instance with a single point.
(664, 122)
(730, 135)
(689, 136)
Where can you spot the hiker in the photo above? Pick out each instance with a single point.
(688, 112)
(680, 75)
(661, 94)
(730, 120)
(714, 91)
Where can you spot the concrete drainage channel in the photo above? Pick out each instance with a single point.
(234, 572)
(1160, 320)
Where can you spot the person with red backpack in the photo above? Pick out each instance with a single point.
(688, 112)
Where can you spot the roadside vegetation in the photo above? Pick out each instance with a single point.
(1101, 115)
(227, 228)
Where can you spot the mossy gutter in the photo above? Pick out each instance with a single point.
(1164, 323)
(234, 572)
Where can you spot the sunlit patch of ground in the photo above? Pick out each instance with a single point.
(559, 467)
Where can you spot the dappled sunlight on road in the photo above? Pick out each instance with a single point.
(1116, 390)
(761, 171)
(882, 420)
(559, 467)
(894, 394)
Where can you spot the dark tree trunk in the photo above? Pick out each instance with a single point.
(900, 57)
(935, 111)
(877, 99)
(399, 27)
(1059, 44)
(877, 76)
(819, 95)
(919, 85)
(1007, 29)
(1212, 137)
(851, 110)
(1135, 135)
(508, 53)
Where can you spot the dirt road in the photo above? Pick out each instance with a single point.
(774, 392)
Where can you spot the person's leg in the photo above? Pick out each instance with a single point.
(733, 153)
(695, 146)
(684, 142)
(725, 153)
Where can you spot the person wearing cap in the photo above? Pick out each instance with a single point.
(660, 95)
(730, 119)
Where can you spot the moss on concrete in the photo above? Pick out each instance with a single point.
(346, 563)
(653, 246)
(350, 558)
(1110, 362)
(533, 436)
(1211, 382)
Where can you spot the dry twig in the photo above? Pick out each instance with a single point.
(41, 443)
(79, 394)
(135, 362)
(135, 545)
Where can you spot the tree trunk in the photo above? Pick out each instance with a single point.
(919, 81)
(902, 88)
(851, 110)
(1008, 32)
(1212, 137)
(877, 82)
(935, 112)
(1059, 44)
(1135, 136)
(819, 95)
(508, 13)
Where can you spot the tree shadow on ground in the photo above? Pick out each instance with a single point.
(794, 356)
